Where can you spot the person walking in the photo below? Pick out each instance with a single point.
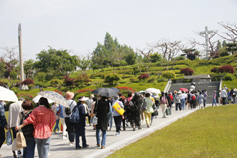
(14, 120)
(200, 99)
(183, 97)
(80, 127)
(29, 150)
(205, 98)
(177, 100)
(223, 96)
(101, 111)
(70, 127)
(136, 111)
(3, 124)
(149, 109)
(117, 116)
(55, 108)
(214, 98)
(163, 103)
(43, 119)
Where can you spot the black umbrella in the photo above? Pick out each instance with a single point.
(106, 92)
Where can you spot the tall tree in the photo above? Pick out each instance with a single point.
(231, 34)
(58, 61)
(168, 49)
(111, 53)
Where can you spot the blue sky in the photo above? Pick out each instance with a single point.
(77, 25)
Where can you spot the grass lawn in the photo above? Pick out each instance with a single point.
(206, 133)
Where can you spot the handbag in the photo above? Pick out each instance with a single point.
(95, 120)
(9, 137)
(20, 140)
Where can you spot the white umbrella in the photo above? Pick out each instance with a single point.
(36, 99)
(7, 94)
(54, 96)
(153, 90)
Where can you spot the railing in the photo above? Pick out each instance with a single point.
(220, 83)
(168, 85)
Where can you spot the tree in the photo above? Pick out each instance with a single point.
(190, 53)
(112, 78)
(231, 34)
(155, 57)
(168, 49)
(131, 58)
(84, 63)
(111, 53)
(56, 62)
(10, 60)
(29, 68)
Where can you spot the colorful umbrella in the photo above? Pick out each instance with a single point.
(183, 89)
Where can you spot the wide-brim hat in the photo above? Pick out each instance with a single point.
(69, 95)
(83, 99)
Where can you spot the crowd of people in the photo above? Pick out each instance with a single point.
(97, 111)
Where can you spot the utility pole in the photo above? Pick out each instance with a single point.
(206, 32)
(22, 75)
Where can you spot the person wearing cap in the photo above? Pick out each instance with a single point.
(80, 127)
(70, 129)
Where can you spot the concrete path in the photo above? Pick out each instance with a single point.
(60, 148)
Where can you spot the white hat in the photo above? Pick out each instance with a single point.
(83, 99)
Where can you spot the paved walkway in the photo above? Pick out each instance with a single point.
(60, 148)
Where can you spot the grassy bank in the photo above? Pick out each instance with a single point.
(205, 133)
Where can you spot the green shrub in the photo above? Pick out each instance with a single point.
(161, 79)
(228, 77)
(151, 79)
(112, 78)
(100, 74)
(168, 75)
(40, 76)
(56, 82)
(133, 79)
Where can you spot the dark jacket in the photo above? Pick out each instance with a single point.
(3, 121)
(102, 109)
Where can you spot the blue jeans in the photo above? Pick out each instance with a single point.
(103, 137)
(183, 104)
(214, 101)
(43, 147)
(56, 127)
(29, 151)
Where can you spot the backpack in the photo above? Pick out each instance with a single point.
(144, 105)
(75, 116)
(193, 97)
(177, 98)
(163, 100)
(28, 129)
(68, 110)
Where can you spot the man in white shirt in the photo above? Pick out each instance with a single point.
(223, 96)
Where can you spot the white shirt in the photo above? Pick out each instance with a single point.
(71, 104)
(14, 111)
(223, 93)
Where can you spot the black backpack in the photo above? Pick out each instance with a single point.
(28, 129)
